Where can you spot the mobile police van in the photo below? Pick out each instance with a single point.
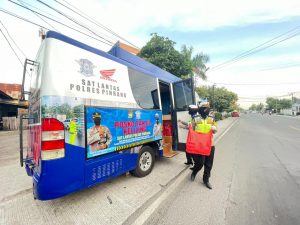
(122, 113)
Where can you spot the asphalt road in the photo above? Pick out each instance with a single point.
(256, 178)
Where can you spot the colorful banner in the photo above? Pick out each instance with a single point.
(109, 130)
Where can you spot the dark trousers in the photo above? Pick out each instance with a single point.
(207, 161)
(189, 158)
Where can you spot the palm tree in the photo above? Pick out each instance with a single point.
(199, 67)
(198, 62)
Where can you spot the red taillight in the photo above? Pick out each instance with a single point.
(53, 139)
(51, 124)
(51, 145)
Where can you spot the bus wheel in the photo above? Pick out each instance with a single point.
(145, 162)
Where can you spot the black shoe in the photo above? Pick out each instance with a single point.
(208, 185)
(193, 177)
(191, 168)
(188, 163)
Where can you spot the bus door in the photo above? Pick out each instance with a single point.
(166, 107)
(182, 97)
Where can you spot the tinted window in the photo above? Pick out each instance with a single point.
(183, 95)
(144, 88)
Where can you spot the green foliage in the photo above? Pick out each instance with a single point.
(278, 104)
(161, 52)
(259, 107)
(199, 67)
(220, 98)
(218, 116)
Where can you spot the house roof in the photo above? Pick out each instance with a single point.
(5, 96)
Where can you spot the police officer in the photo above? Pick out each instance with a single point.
(204, 123)
(99, 137)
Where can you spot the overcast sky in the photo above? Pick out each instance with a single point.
(221, 29)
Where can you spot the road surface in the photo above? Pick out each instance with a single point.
(255, 178)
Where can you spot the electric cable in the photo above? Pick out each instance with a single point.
(96, 23)
(22, 18)
(13, 40)
(259, 48)
(73, 20)
(60, 24)
(11, 47)
(21, 2)
(44, 12)
(86, 18)
(253, 84)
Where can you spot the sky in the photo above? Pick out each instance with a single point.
(221, 29)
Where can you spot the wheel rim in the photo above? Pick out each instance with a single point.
(145, 161)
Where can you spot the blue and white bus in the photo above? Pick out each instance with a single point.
(115, 105)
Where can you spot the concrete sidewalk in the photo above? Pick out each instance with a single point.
(113, 202)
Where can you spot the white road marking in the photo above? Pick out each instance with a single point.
(295, 128)
(144, 216)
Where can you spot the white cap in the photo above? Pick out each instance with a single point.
(203, 103)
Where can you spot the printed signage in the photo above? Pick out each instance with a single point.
(109, 130)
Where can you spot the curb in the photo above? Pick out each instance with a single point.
(141, 215)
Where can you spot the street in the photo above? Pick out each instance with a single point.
(256, 178)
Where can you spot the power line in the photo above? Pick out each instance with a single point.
(94, 21)
(73, 20)
(11, 47)
(255, 84)
(56, 22)
(103, 27)
(280, 67)
(13, 40)
(39, 16)
(22, 18)
(259, 48)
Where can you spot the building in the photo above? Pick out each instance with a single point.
(10, 105)
(296, 108)
(13, 90)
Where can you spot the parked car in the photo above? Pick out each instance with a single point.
(235, 114)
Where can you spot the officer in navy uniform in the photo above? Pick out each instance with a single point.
(204, 122)
(98, 136)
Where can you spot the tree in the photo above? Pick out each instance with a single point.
(198, 62)
(278, 104)
(161, 52)
(260, 107)
(222, 99)
(253, 107)
(199, 67)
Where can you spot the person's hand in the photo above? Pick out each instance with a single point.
(103, 146)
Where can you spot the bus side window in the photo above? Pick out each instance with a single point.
(144, 89)
(183, 95)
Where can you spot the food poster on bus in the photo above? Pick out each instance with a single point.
(114, 129)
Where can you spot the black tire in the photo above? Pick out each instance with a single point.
(145, 162)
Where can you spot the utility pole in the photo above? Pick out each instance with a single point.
(292, 94)
(42, 34)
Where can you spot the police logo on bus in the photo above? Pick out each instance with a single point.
(86, 67)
